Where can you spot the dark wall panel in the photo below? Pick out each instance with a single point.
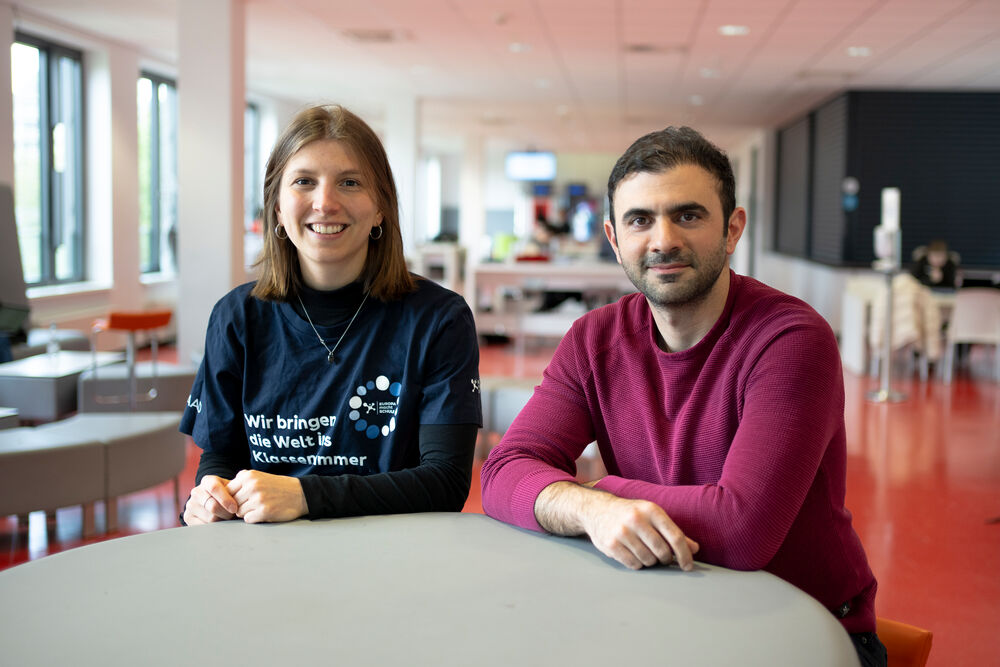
(829, 234)
(792, 225)
(942, 150)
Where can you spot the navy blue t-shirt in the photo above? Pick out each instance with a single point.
(265, 383)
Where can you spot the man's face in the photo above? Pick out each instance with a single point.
(670, 234)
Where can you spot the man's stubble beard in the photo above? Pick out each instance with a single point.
(678, 290)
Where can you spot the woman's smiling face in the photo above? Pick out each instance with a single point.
(328, 212)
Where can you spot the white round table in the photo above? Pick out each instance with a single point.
(426, 589)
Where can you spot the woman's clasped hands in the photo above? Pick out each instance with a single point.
(251, 495)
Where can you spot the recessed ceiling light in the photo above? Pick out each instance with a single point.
(734, 30)
(859, 51)
(709, 73)
(518, 47)
(376, 35)
(648, 47)
(697, 100)
(543, 84)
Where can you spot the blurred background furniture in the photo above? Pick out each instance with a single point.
(916, 324)
(165, 388)
(8, 418)
(975, 319)
(855, 316)
(88, 458)
(43, 387)
(131, 323)
(907, 645)
(498, 292)
(46, 471)
(502, 399)
(140, 450)
(444, 263)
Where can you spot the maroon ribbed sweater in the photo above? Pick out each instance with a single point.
(740, 438)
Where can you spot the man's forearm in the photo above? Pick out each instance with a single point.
(560, 508)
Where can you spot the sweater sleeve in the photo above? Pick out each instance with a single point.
(439, 483)
(542, 444)
(220, 465)
(792, 413)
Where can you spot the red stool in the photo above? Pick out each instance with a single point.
(131, 323)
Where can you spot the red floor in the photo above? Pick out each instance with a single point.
(923, 484)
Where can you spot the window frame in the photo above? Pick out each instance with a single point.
(252, 172)
(155, 232)
(51, 223)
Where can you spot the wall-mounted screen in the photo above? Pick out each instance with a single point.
(530, 166)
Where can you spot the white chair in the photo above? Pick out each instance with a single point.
(975, 319)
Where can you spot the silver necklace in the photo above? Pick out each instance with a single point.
(329, 351)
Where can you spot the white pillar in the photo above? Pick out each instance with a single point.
(118, 199)
(472, 209)
(211, 100)
(6, 99)
(402, 146)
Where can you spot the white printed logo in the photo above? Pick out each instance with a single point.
(374, 405)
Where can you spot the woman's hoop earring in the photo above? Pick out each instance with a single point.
(277, 231)
(371, 233)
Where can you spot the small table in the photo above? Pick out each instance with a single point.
(422, 589)
(43, 387)
(8, 418)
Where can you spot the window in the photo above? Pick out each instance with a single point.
(253, 194)
(47, 83)
(157, 103)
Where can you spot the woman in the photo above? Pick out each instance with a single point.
(338, 384)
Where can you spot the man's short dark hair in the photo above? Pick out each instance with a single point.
(668, 148)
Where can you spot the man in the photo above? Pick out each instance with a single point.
(717, 404)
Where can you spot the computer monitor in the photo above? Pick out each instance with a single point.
(530, 166)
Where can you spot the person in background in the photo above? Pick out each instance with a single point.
(338, 384)
(717, 404)
(936, 266)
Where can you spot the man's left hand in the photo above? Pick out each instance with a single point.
(265, 497)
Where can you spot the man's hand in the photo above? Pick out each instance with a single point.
(210, 501)
(636, 533)
(261, 496)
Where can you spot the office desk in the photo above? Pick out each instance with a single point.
(490, 284)
(43, 387)
(430, 589)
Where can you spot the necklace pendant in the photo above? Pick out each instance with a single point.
(330, 358)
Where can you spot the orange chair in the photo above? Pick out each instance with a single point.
(907, 645)
(131, 323)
